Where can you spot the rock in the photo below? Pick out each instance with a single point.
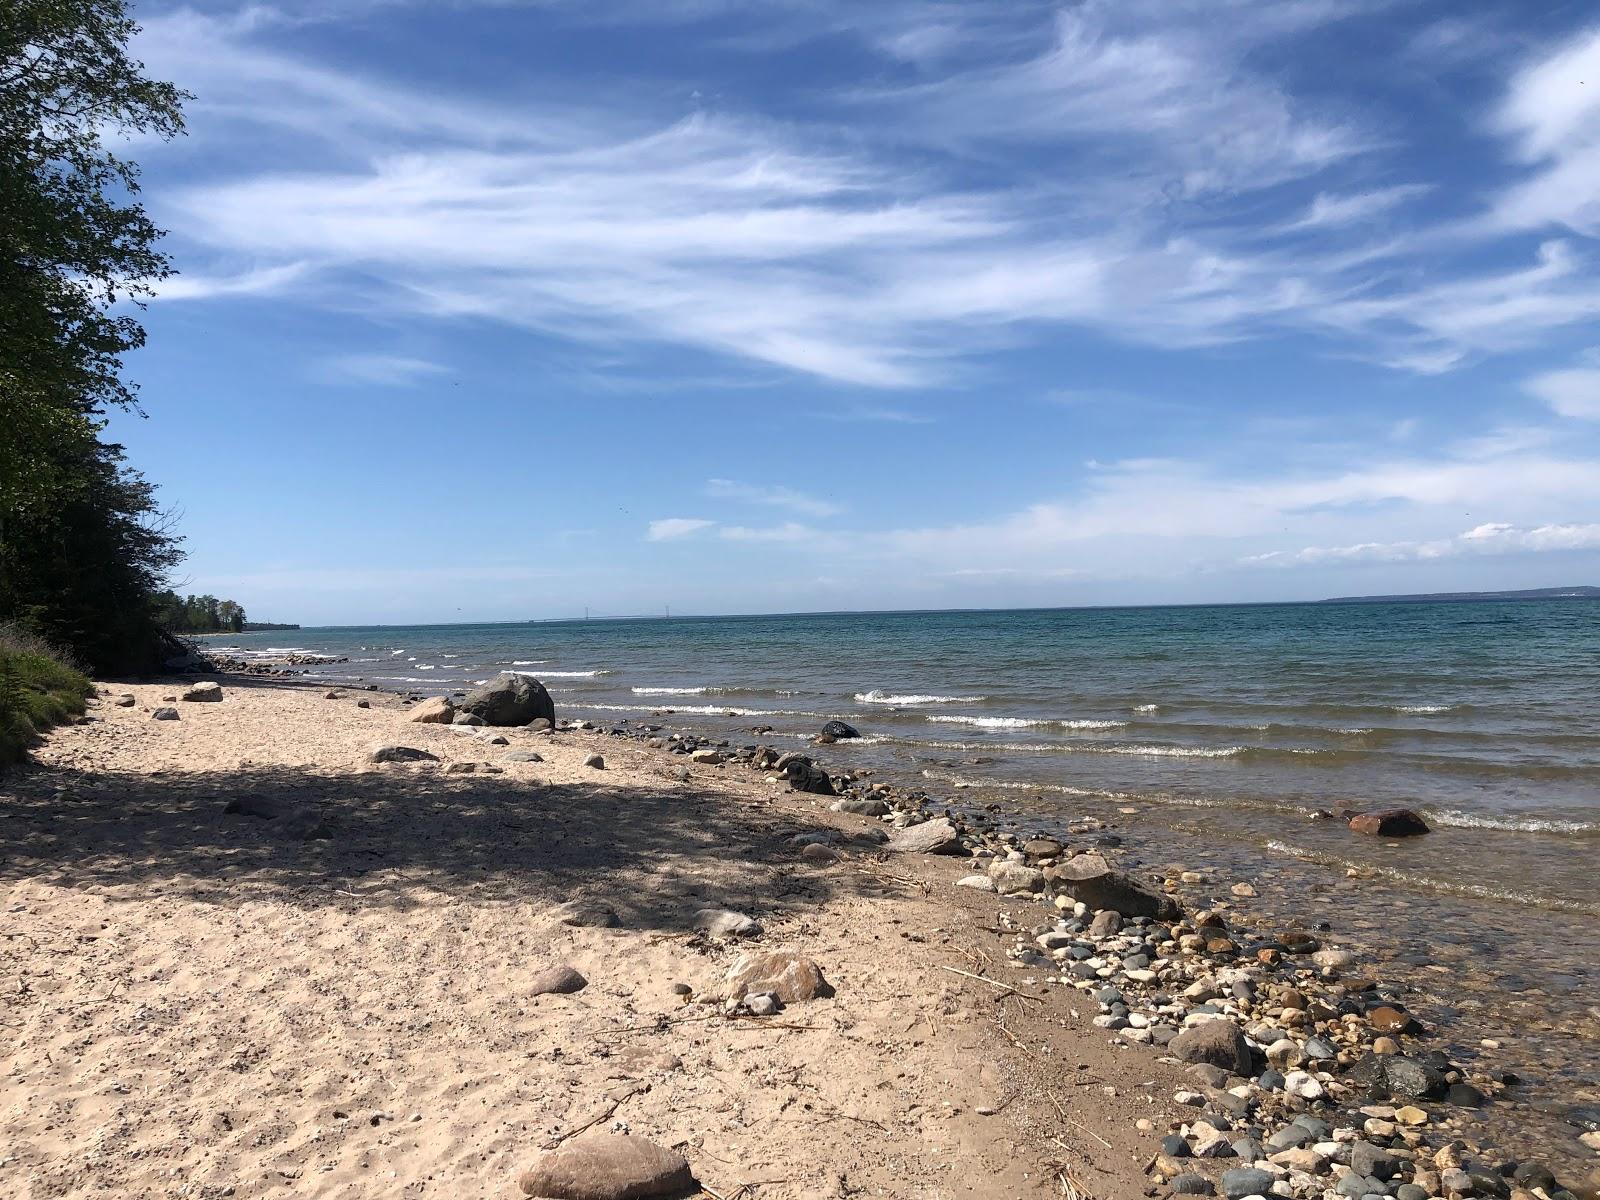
(164, 714)
(510, 700)
(468, 720)
(1035, 848)
(1462, 1094)
(1011, 878)
(710, 757)
(1388, 1019)
(596, 761)
(202, 693)
(805, 776)
(126, 701)
(816, 852)
(838, 730)
(763, 1004)
(861, 806)
(1333, 960)
(436, 710)
(1106, 923)
(1410, 1114)
(1243, 890)
(333, 695)
(522, 756)
(1389, 822)
(787, 976)
(1367, 1159)
(391, 754)
(1091, 879)
(1303, 1084)
(1220, 1043)
(363, 703)
(931, 837)
(1191, 1183)
(559, 981)
(1246, 1181)
(723, 922)
(608, 1166)
(585, 913)
(978, 883)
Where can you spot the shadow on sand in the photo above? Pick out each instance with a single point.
(407, 835)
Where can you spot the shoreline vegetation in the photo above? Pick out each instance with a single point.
(1280, 1067)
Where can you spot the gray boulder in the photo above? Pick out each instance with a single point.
(1091, 879)
(202, 693)
(931, 837)
(510, 700)
(805, 776)
(1220, 1043)
(164, 714)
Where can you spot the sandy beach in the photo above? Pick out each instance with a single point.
(340, 1000)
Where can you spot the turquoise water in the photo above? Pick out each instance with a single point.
(1486, 716)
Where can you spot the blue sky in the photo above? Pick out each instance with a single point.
(499, 310)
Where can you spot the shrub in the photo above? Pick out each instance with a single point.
(38, 688)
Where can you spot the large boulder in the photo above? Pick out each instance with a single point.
(1218, 1042)
(840, 730)
(789, 977)
(938, 836)
(608, 1166)
(435, 711)
(805, 776)
(510, 700)
(1389, 822)
(1091, 879)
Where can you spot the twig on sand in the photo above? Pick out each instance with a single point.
(665, 1022)
(1090, 1132)
(1006, 988)
(604, 1114)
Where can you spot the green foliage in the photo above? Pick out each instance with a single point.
(198, 614)
(38, 689)
(82, 544)
(81, 573)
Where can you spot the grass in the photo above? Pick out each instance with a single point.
(39, 687)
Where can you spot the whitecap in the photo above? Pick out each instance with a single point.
(1422, 709)
(877, 696)
(1025, 722)
(669, 691)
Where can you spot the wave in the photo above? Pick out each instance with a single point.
(1453, 819)
(1064, 789)
(1026, 722)
(1422, 709)
(1146, 708)
(396, 653)
(876, 696)
(529, 662)
(564, 674)
(670, 691)
(712, 709)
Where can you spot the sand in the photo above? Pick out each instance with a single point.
(202, 1003)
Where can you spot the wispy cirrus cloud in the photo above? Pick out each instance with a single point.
(1109, 169)
(775, 496)
(380, 370)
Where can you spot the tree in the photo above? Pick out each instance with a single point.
(74, 246)
(73, 239)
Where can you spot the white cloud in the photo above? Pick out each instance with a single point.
(776, 497)
(1573, 392)
(1494, 538)
(1552, 112)
(789, 531)
(383, 370)
(748, 238)
(669, 528)
(1328, 210)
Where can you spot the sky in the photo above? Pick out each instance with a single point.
(497, 310)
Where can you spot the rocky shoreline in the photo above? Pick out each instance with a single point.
(1310, 1078)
